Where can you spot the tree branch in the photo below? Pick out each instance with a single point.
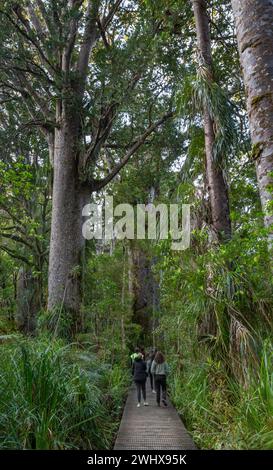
(42, 105)
(35, 20)
(108, 18)
(73, 28)
(44, 14)
(90, 36)
(16, 238)
(99, 184)
(26, 33)
(15, 255)
(104, 129)
(8, 210)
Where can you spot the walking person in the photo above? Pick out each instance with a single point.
(149, 366)
(160, 370)
(134, 355)
(139, 371)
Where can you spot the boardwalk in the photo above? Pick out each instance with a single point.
(151, 427)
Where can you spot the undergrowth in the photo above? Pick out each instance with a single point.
(57, 396)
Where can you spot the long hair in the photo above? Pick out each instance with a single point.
(142, 351)
(159, 358)
(152, 356)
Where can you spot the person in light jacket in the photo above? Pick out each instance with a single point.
(160, 370)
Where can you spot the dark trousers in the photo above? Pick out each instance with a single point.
(141, 387)
(160, 385)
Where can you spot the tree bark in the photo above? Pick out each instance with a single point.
(217, 186)
(67, 242)
(254, 19)
(143, 288)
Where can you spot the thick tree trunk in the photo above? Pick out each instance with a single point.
(254, 24)
(217, 187)
(139, 271)
(144, 290)
(66, 245)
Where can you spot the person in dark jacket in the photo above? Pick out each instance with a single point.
(139, 371)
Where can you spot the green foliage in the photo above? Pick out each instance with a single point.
(219, 290)
(58, 321)
(6, 293)
(202, 92)
(215, 326)
(214, 317)
(106, 278)
(220, 413)
(49, 401)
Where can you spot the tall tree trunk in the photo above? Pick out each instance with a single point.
(69, 196)
(139, 271)
(144, 289)
(217, 186)
(254, 24)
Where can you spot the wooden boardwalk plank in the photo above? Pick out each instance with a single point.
(151, 427)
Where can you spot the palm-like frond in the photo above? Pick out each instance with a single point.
(201, 92)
